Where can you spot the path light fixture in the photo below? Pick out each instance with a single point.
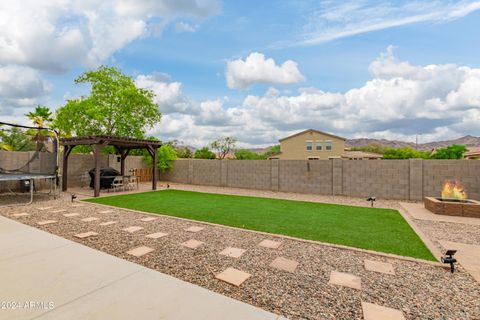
(448, 258)
(73, 196)
(372, 199)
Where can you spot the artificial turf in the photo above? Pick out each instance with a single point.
(376, 229)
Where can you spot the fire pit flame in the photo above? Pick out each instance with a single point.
(453, 190)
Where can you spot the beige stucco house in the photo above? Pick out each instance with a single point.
(310, 145)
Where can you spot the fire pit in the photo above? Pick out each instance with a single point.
(453, 202)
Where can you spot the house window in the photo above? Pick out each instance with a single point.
(328, 145)
(318, 146)
(309, 145)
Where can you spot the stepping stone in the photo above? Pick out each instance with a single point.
(270, 244)
(156, 235)
(105, 211)
(58, 211)
(375, 312)
(42, 223)
(192, 244)
(148, 219)
(90, 219)
(194, 229)
(140, 251)
(86, 234)
(345, 280)
(78, 205)
(107, 223)
(23, 214)
(233, 276)
(68, 215)
(233, 252)
(132, 229)
(377, 266)
(45, 208)
(284, 264)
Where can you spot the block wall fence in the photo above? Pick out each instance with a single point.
(410, 179)
(389, 179)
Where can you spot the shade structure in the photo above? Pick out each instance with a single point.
(122, 145)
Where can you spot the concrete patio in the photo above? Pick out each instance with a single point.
(44, 276)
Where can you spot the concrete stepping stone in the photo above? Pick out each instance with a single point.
(375, 312)
(233, 276)
(156, 235)
(105, 211)
(284, 264)
(270, 244)
(90, 219)
(86, 234)
(107, 223)
(59, 211)
(45, 208)
(68, 215)
(23, 214)
(345, 280)
(194, 229)
(192, 244)
(148, 219)
(233, 252)
(132, 229)
(42, 223)
(378, 266)
(78, 205)
(140, 251)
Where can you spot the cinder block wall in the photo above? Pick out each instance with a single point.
(389, 179)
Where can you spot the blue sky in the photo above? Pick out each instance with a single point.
(257, 70)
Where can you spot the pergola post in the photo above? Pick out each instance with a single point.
(66, 153)
(97, 150)
(123, 156)
(155, 169)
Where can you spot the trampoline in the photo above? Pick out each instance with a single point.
(35, 161)
(31, 177)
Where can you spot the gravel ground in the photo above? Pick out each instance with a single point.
(421, 291)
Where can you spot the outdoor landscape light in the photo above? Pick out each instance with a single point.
(73, 196)
(372, 199)
(450, 259)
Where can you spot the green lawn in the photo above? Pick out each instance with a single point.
(382, 230)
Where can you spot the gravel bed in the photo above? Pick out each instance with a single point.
(421, 291)
(457, 232)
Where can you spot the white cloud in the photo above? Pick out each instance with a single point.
(184, 27)
(52, 35)
(241, 74)
(330, 20)
(399, 101)
(21, 87)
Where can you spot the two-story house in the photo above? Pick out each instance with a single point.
(310, 145)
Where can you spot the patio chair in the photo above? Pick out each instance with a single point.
(118, 184)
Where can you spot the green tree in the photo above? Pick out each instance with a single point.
(245, 154)
(223, 146)
(184, 152)
(404, 153)
(272, 150)
(15, 140)
(41, 118)
(115, 106)
(204, 153)
(165, 156)
(455, 151)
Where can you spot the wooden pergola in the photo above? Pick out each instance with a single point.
(122, 146)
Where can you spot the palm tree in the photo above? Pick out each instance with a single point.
(40, 117)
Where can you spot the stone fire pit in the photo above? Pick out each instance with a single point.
(453, 207)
